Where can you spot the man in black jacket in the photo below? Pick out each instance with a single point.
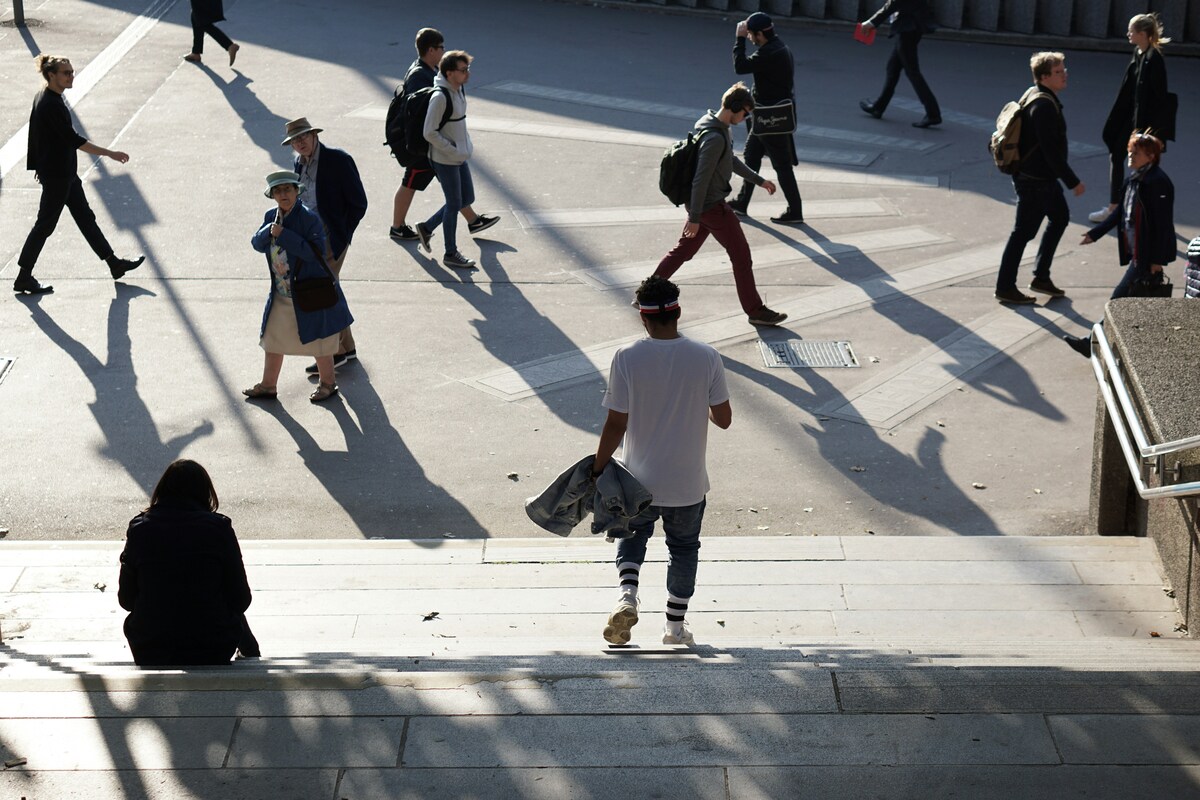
(1043, 163)
(910, 21)
(774, 76)
(53, 143)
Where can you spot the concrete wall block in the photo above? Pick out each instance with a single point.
(1193, 21)
(948, 13)
(1122, 10)
(983, 15)
(1019, 15)
(749, 6)
(817, 9)
(719, 5)
(1054, 17)
(780, 8)
(1091, 18)
(851, 10)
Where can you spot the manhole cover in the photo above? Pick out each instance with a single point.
(5, 364)
(797, 353)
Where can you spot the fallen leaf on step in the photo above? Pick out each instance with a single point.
(978, 485)
(16, 762)
(1168, 591)
(808, 510)
(874, 360)
(721, 622)
(1180, 627)
(1155, 634)
(857, 468)
(512, 476)
(100, 586)
(429, 616)
(764, 527)
(1037, 491)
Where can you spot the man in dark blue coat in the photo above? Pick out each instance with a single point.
(774, 79)
(910, 20)
(334, 190)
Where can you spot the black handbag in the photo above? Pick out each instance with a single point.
(315, 294)
(773, 120)
(1144, 287)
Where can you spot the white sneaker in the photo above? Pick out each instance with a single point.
(684, 636)
(1099, 215)
(623, 617)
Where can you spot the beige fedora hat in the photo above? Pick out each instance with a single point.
(298, 127)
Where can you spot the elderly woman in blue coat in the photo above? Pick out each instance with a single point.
(293, 240)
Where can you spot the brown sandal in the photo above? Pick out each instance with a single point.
(260, 392)
(323, 392)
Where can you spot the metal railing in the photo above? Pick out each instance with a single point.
(1140, 455)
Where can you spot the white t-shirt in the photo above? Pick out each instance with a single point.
(666, 387)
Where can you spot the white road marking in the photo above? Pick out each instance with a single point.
(889, 399)
(1080, 149)
(13, 151)
(526, 380)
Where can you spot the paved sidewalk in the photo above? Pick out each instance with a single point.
(982, 667)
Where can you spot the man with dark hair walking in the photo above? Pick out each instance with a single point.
(774, 78)
(662, 393)
(421, 73)
(1043, 163)
(53, 143)
(708, 213)
(909, 20)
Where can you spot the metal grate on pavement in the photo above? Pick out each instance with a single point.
(799, 353)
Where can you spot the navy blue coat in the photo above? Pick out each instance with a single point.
(1153, 220)
(341, 198)
(301, 227)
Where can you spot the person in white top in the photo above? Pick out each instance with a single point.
(662, 393)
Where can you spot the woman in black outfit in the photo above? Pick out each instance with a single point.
(1145, 223)
(205, 16)
(1141, 103)
(182, 577)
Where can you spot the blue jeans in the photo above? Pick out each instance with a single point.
(682, 527)
(1036, 200)
(459, 192)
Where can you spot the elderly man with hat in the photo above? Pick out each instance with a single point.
(774, 79)
(333, 189)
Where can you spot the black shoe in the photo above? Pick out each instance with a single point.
(338, 361)
(1014, 296)
(765, 316)
(402, 234)
(117, 267)
(788, 217)
(423, 236)
(739, 206)
(928, 122)
(1046, 286)
(481, 223)
(458, 261)
(870, 109)
(1080, 344)
(27, 284)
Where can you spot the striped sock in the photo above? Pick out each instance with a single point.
(676, 609)
(628, 572)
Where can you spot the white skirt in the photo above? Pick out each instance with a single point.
(283, 336)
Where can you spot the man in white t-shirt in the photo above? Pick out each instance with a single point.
(662, 393)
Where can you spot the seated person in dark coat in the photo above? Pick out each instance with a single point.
(182, 577)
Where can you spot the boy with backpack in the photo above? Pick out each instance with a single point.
(418, 172)
(709, 213)
(1041, 164)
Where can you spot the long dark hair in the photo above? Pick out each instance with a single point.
(185, 480)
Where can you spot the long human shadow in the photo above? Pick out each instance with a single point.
(376, 479)
(262, 125)
(131, 437)
(925, 469)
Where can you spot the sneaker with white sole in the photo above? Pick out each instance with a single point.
(481, 223)
(623, 617)
(424, 235)
(682, 636)
(1100, 214)
(458, 261)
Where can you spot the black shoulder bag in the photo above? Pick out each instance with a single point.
(314, 294)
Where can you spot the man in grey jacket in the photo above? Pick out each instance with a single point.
(449, 149)
(709, 213)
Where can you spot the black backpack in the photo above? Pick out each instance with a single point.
(677, 170)
(404, 125)
(393, 127)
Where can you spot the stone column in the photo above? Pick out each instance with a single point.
(983, 14)
(1019, 15)
(1091, 18)
(1122, 10)
(812, 8)
(851, 10)
(1055, 17)
(948, 13)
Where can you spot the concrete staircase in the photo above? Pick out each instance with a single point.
(825, 666)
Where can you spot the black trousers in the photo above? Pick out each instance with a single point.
(1116, 175)
(57, 193)
(904, 59)
(1036, 200)
(200, 27)
(779, 148)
